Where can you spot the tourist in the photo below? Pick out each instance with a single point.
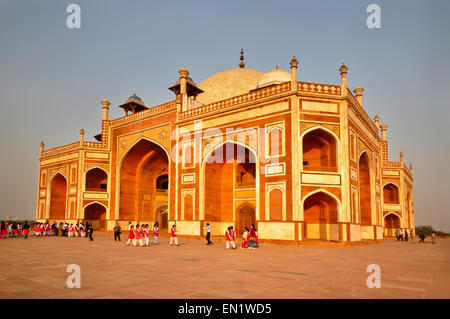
(90, 232)
(130, 225)
(36, 230)
(60, 228)
(406, 235)
(155, 233)
(26, 229)
(14, 229)
(229, 239)
(82, 230)
(233, 237)
(433, 238)
(47, 229)
(145, 233)
(397, 234)
(245, 238)
(252, 237)
(117, 229)
(77, 230)
(9, 229)
(401, 235)
(173, 236)
(19, 230)
(3, 231)
(131, 235)
(138, 236)
(422, 237)
(208, 234)
(70, 233)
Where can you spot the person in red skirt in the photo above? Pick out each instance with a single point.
(26, 229)
(42, 229)
(245, 237)
(3, 230)
(173, 236)
(131, 235)
(138, 236)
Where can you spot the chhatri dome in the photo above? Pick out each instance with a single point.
(234, 82)
(276, 76)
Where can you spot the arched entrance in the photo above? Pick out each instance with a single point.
(58, 197)
(321, 217)
(227, 169)
(143, 182)
(319, 151)
(391, 223)
(95, 214)
(365, 195)
(245, 217)
(161, 217)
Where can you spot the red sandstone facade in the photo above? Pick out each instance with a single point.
(299, 160)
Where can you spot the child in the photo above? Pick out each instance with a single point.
(131, 235)
(155, 233)
(70, 230)
(245, 238)
(47, 229)
(229, 238)
(138, 236)
(82, 230)
(233, 236)
(36, 229)
(145, 233)
(3, 230)
(42, 229)
(433, 238)
(77, 230)
(173, 236)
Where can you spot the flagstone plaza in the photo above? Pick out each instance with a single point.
(36, 268)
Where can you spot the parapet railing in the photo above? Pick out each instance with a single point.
(236, 100)
(319, 88)
(145, 113)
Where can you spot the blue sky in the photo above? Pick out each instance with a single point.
(52, 78)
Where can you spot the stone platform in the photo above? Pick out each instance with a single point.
(36, 268)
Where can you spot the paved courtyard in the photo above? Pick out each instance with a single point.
(36, 268)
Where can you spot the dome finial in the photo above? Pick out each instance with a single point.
(242, 64)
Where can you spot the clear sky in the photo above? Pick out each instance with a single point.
(53, 78)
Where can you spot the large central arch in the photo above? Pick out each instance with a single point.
(58, 197)
(142, 171)
(228, 167)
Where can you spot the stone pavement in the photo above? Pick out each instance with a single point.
(36, 268)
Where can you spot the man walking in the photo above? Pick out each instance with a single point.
(422, 237)
(208, 234)
(90, 232)
(117, 230)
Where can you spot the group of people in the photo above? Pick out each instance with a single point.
(140, 234)
(13, 229)
(405, 235)
(249, 238)
(65, 229)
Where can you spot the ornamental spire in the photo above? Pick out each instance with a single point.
(242, 64)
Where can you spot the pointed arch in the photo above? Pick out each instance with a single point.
(320, 149)
(58, 197)
(225, 170)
